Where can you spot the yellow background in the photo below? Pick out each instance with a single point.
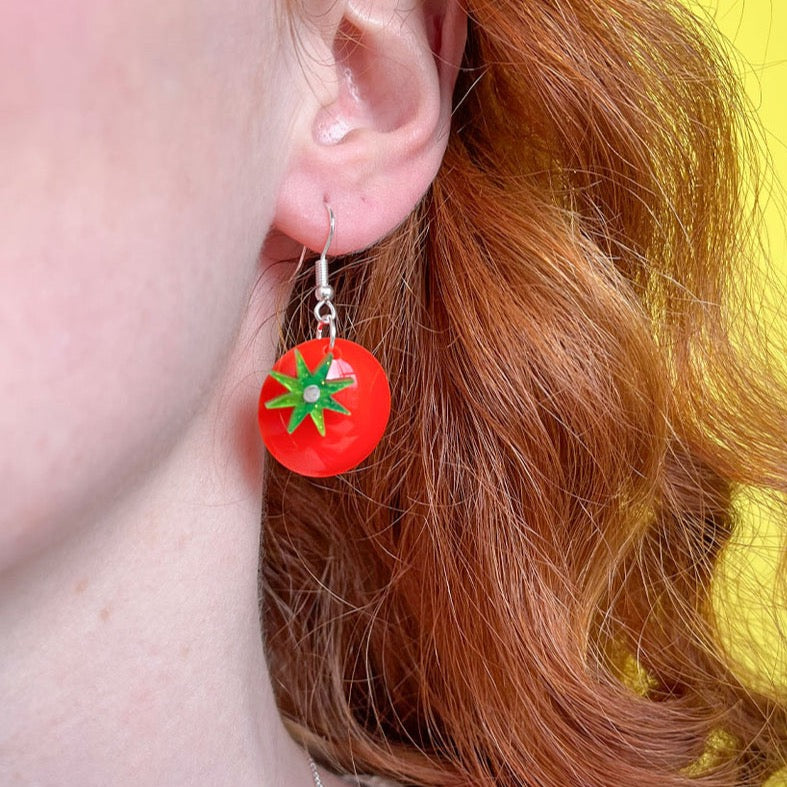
(751, 610)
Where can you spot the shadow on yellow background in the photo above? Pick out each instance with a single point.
(751, 609)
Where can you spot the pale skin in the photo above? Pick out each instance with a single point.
(162, 164)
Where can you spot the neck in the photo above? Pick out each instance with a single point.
(132, 651)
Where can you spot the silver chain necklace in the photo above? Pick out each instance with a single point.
(315, 774)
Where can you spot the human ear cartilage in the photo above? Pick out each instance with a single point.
(325, 404)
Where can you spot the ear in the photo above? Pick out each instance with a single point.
(375, 118)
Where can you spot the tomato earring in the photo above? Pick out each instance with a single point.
(325, 403)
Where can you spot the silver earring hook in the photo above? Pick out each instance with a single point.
(321, 266)
(322, 289)
(329, 240)
(331, 230)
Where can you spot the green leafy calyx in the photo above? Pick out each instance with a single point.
(309, 393)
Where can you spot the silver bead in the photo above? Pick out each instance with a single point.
(311, 393)
(323, 292)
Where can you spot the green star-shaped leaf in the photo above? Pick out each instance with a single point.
(309, 393)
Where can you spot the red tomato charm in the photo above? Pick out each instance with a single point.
(323, 411)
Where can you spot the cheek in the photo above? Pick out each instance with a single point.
(140, 153)
(96, 363)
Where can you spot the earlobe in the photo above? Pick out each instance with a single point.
(374, 147)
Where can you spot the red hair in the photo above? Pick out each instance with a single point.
(574, 408)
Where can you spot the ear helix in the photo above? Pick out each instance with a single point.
(325, 404)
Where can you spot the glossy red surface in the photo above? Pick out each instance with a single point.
(348, 439)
